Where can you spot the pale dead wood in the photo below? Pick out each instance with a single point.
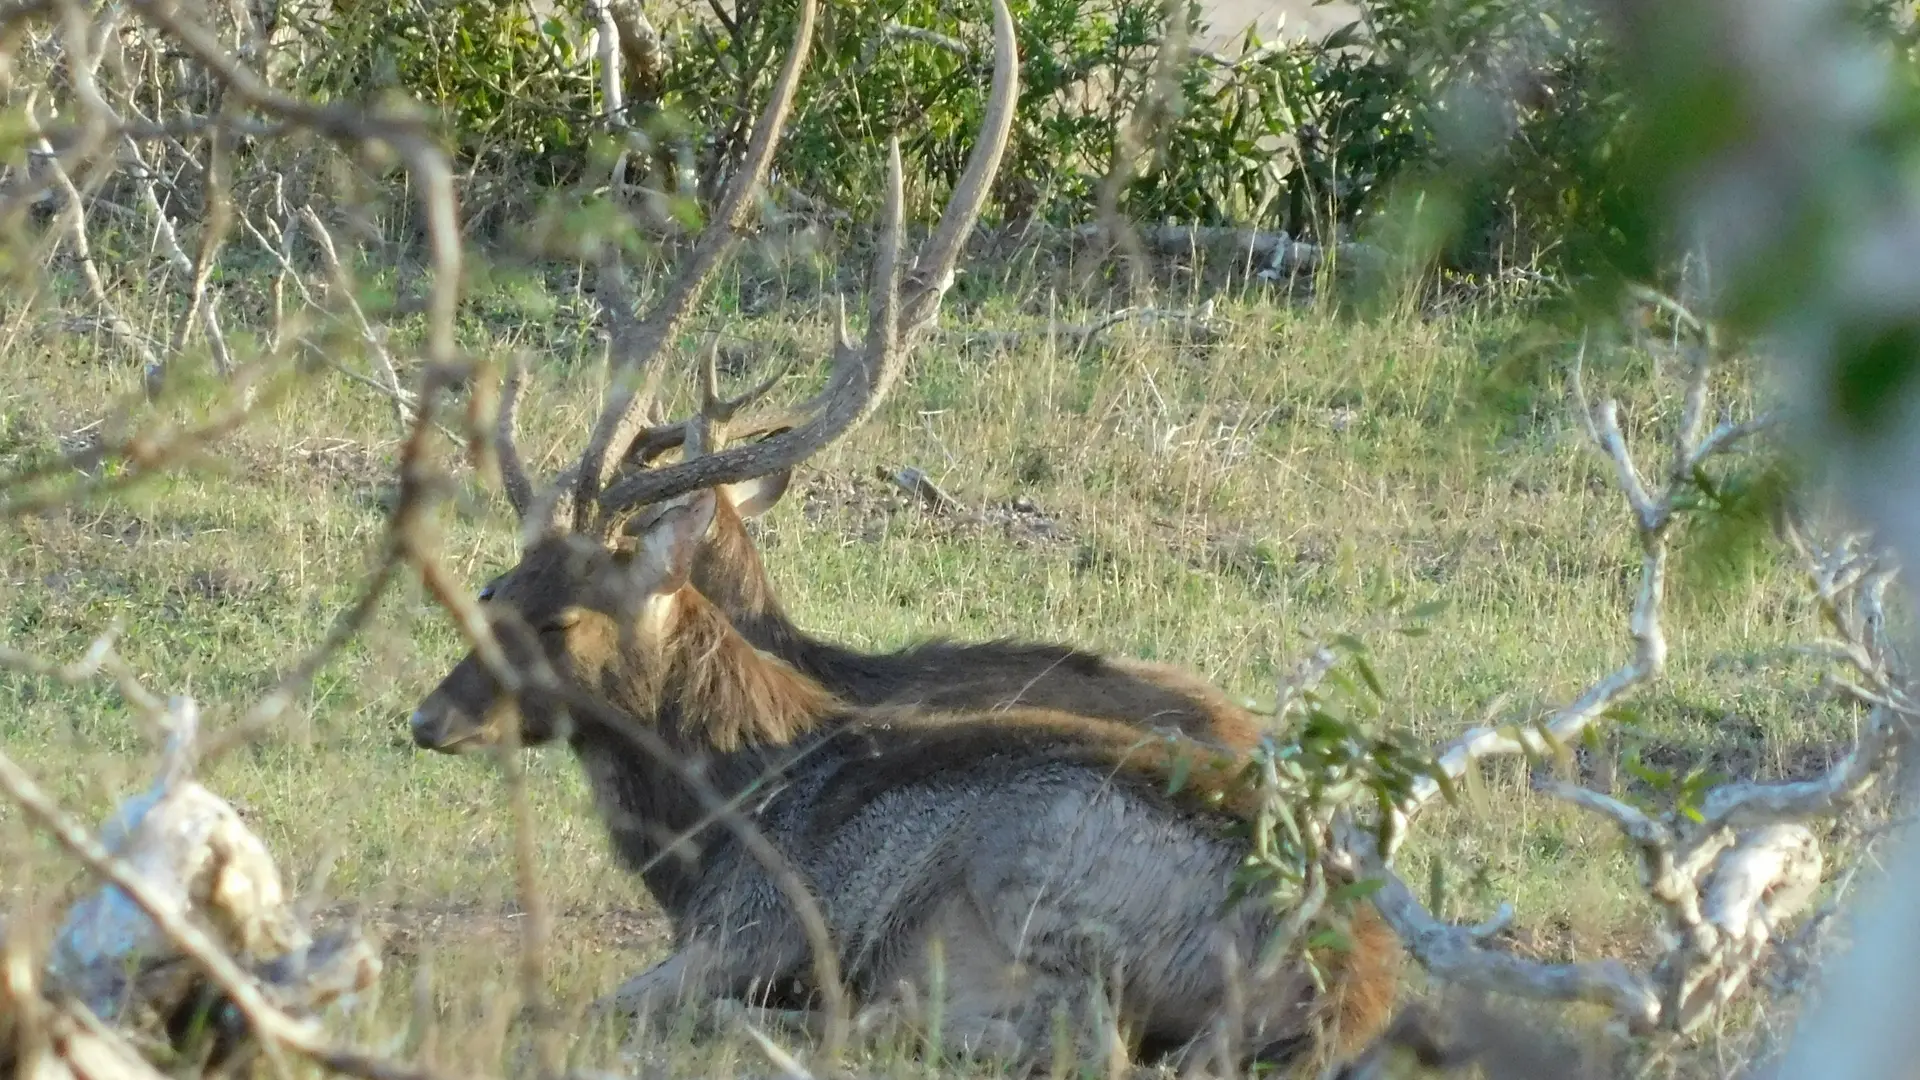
(1652, 515)
(74, 210)
(168, 240)
(1816, 96)
(1200, 325)
(213, 235)
(1728, 880)
(163, 906)
(921, 486)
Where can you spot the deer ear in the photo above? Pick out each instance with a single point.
(663, 559)
(754, 497)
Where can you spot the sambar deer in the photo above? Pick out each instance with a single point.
(752, 477)
(1040, 853)
(551, 611)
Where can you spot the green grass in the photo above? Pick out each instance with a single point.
(1219, 507)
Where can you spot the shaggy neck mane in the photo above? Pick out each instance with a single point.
(729, 694)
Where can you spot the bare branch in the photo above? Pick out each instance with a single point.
(408, 138)
(1453, 953)
(418, 487)
(342, 284)
(279, 1031)
(513, 473)
(1724, 892)
(213, 234)
(75, 213)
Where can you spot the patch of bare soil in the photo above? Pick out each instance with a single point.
(1558, 941)
(345, 462)
(348, 466)
(406, 931)
(869, 507)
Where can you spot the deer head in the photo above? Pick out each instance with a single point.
(595, 544)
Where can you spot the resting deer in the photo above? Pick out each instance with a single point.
(1039, 852)
(753, 477)
(549, 607)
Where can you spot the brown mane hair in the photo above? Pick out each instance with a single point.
(953, 676)
(734, 694)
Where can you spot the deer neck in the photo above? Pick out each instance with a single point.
(733, 578)
(729, 695)
(726, 713)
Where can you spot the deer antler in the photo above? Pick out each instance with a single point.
(513, 472)
(634, 347)
(706, 430)
(540, 512)
(860, 377)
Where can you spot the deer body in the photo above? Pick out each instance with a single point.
(1039, 851)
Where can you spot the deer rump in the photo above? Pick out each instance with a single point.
(1035, 870)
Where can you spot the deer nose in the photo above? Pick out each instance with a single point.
(426, 731)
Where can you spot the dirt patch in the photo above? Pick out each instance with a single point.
(870, 507)
(405, 931)
(349, 466)
(342, 461)
(1558, 941)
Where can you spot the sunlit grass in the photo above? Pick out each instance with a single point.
(1220, 506)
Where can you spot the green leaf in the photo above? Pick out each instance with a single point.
(1182, 766)
(1357, 890)
(1366, 673)
(1329, 938)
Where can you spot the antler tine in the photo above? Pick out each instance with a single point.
(513, 474)
(716, 423)
(734, 405)
(859, 379)
(540, 510)
(932, 272)
(620, 422)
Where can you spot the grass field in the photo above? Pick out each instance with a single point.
(1218, 505)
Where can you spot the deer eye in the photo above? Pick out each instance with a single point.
(560, 622)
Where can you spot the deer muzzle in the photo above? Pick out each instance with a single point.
(446, 729)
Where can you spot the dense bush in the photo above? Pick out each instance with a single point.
(1507, 115)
